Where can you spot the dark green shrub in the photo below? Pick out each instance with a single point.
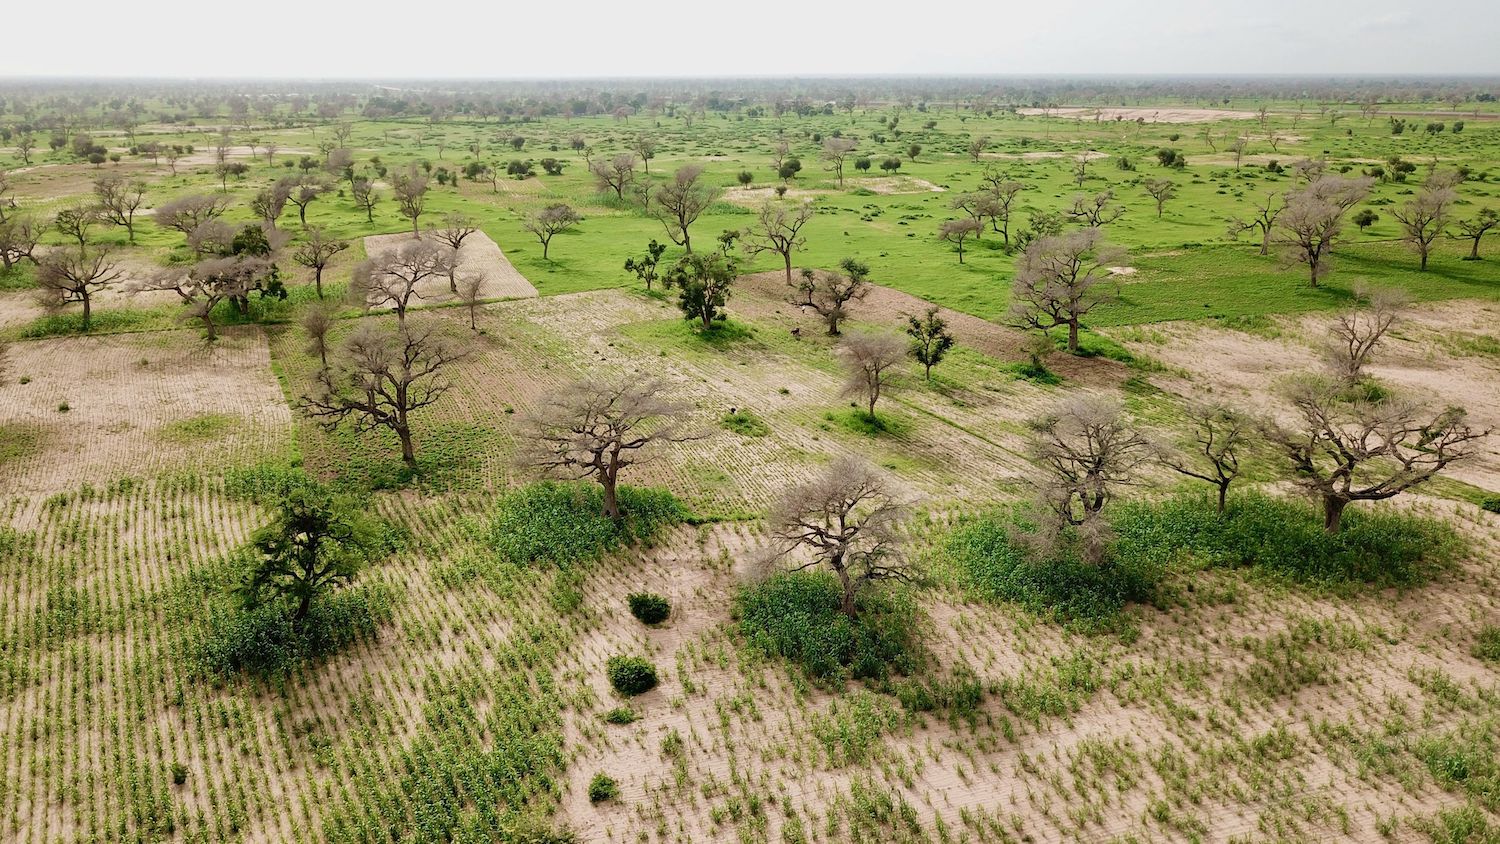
(603, 787)
(179, 773)
(631, 675)
(1492, 504)
(649, 608)
(620, 715)
(563, 524)
(1285, 537)
(264, 642)
(991, 559)
(795, 615)
(1487, 643)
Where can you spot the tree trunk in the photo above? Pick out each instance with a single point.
(87, 310)
(873, 398)
(687, 242)
(302, 607)
(846, 598)
(408, 451)
(611, 499)
(546, 244)
(318, 279)
(1223, 494)
(787, 255)
(1423, 267)
(1265, 240)
(1073, 337)
(1333, 514)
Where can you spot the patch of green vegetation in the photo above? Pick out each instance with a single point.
(200, 428)
(1055, 690)
(993, 557)
(850, 731)
(564, 525)
(1285, 537)
(631, 675)
(1487, 643)
(1467, 759)
(862, 423)
(648, 607)
(603, 787)
(18, 441)
(620, 715)
(745, 423)
(266, 643)
(1035, 373)
(795, 616)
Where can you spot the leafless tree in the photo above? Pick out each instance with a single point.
(594, 429)
(1003, 191)
(1058, 281)
(680, 201)
(365, 197)
(316, 322)
(456, 228)
(849, 519)
(977, 147)
(1266, 213)
(187, 213)
(270, 201)
(645, 147)
(1096, 210)
(1343, 451)
(25, 143)
(171, 153)
(1309, 170)
(1357, 331)
(1161, 190)
(835, 151)
(471, 294)
(7, 202)
(871, 362)
(316, 250)
(75, 222)
(271, 149)
(1312, 220)
(979, 205)
(778, 229)
(549, 222)
(382, 378)
(410, 190)
(1219, 435)
(68, 275)
(616, 174)
(1238, 147)
(957, 231)
(19, 237)
(1086, 451)
(390, 278)
(780, 152)
(1424, 217)
(212, 237)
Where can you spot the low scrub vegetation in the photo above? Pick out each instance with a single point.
(563, 524)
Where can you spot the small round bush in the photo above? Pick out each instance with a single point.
(631, 675)
(179, 773)
(649, 607)
(603, 787)
(620, 715)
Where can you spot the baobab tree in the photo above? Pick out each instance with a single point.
(1160, 190)
(390, 278)
(616, 174)
(1312, 220)
(679, 202)
(410, 189)
(1220, 433)
(315, 251)
(594, 429)
(829, 293)
(871, 362)
(848, 518)
(1357, 331)
(66, 275)
(778, 229)
(1474, 228)
(382, 378)
(119, 200)
(1058, 281)
(835, 151)
(1266, 213)
(1086, 450)
(1424, 217)
(930, 340)
(549, 222)
(958, 231)
(1341, 451)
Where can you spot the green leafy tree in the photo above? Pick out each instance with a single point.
(313, 544)
(930, 340)
(645, 266)
(703, 281)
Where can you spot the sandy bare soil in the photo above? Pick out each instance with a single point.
(136, 405)
(1150, 115)
(479, 254)
(1043, 155)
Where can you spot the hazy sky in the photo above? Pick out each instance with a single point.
(504, 38)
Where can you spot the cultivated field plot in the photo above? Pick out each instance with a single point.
(479, 254)
(93, 410)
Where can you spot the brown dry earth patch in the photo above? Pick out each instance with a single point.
(479, 254)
